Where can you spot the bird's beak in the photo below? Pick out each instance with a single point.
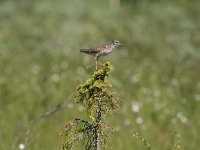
(120, 44)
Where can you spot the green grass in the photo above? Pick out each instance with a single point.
(157, 69)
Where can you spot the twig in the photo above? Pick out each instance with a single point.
(98, 120)
(16, 135)
(42, 117)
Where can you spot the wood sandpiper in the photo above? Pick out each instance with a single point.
(102, 50)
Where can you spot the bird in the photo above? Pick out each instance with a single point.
(101, 50)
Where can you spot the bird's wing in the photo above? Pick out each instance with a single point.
(101, 48)
(90, 50)
(95, 50)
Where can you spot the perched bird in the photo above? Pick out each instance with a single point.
(102, 50)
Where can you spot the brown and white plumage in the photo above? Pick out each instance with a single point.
(102, 50)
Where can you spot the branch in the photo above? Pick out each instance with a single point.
(42, 117)
(98, 120)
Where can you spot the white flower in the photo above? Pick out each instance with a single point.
(145, 90)
(135, 78)
(197, 98)
(181, 117)
(157, 93)
(55, 77)
(135, 107)
(21, 146)
(70, 105)
(127, 122)
(139, 120)
(64, 65)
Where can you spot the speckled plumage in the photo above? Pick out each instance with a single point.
(101, 50)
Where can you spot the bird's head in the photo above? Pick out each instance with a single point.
(116, 43)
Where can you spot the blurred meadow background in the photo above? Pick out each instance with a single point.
(156, 72)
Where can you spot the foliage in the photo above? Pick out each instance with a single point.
(97, 85)
(97, 98)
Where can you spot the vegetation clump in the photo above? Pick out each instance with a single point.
(98, 100)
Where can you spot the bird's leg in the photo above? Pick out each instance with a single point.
(96, 60)
(100, 63)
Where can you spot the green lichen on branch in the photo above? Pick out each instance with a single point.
(98, 99)
(96, 85)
